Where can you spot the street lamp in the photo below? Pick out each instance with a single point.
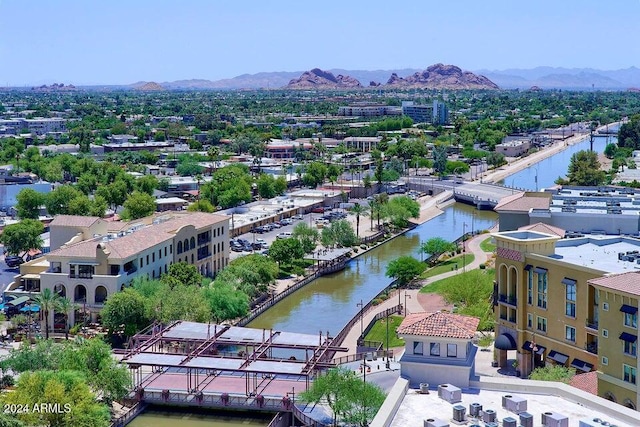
(464, 232)
(406, 295)
(360, 304)
(534, 349)
(388, 364)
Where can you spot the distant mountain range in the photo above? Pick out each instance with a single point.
(565, 78)
(542, 77)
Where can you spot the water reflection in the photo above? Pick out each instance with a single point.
(329, 302)
(156, 417)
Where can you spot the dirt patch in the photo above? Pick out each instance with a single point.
(433, 302)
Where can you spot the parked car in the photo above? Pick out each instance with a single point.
(298, 216)
(276, 224)
(284, 235)
(13, 261)
(286, 221)
(317, 210)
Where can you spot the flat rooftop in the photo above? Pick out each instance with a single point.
(416, 407)
(598, 252)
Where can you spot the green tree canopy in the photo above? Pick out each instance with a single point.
(284, 251)
(436, 246)
(201, 205)
(184, 273)
(29, 203)
(352, 401)
(139, 205)
(22, 236)
(59, 199)
(553, 373)
(584, 169)
(146, 184)
(307, 235)
(405, 269)
(225, 302)
(229, 186)
(400, 209)
(77, 405)
(124, 313)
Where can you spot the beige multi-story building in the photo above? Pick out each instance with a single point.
(92, 259)
(571, 302)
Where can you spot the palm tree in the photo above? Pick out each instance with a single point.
(48, 301)
(358, 210)
(65, 306)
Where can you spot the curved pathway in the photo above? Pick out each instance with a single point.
(417, 302)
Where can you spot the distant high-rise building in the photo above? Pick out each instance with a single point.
(440, 113)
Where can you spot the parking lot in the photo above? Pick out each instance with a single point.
(260, 240)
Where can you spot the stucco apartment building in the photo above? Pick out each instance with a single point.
(572, 302)
(91, 259)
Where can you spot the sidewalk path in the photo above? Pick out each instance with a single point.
(416, 302)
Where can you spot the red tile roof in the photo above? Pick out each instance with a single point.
(628, 282)
(439, 324)
(544, 228)
(74, 221)
(586, 382)
(134, 243)
(523, 202)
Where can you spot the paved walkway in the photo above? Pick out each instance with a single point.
(417, 302)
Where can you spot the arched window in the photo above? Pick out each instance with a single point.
(60, 289)
(629, 404)
(609, 396)
(101, 294)
(80, 294)
(179, 247)
(186, 244)
(193, 243)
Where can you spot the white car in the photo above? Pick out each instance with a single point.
(283, 235)
(298, 216)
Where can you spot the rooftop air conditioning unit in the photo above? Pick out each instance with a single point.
(526, 419)
(434, 422)
(450, 393)
(459, 414)
(489, 416)
(474, 410)
(509, 422)
(553, 419)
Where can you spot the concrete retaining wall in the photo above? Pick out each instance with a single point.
(388, 410)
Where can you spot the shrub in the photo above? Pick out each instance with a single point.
(482, 266)
(75, 329)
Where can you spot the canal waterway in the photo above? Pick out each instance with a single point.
(330, 302)
(548, 170)
(189, 418)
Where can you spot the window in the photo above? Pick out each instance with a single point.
(147, 259)
(629, 374)
(529, 320)
(605, 306)
(530, 287)
(452, 350)
(605, 333)
(417, 347)
(434, 349)
(541, 324)
(165, 251)
(570, 297)
(153, 257)
(141, 262)
(630, 348)
(570, 333)
(631, 319)
(605, 360)
(542, 290)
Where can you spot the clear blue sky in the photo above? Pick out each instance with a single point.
(124, 41)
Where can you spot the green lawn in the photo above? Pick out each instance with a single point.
(437, 286)
(448, 265)
(379, 332)
(487, 245)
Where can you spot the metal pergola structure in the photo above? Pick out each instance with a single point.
(200, 352)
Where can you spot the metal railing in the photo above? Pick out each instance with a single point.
(507, 299)
(591, 324)
(128, 416)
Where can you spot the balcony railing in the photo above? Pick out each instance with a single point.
(592, 324)
(81, 275)
(508, 299)
(592, 347)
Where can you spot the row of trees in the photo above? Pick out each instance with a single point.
(80, 376)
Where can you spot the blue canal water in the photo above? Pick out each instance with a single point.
(548, 170)
(330, 302)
